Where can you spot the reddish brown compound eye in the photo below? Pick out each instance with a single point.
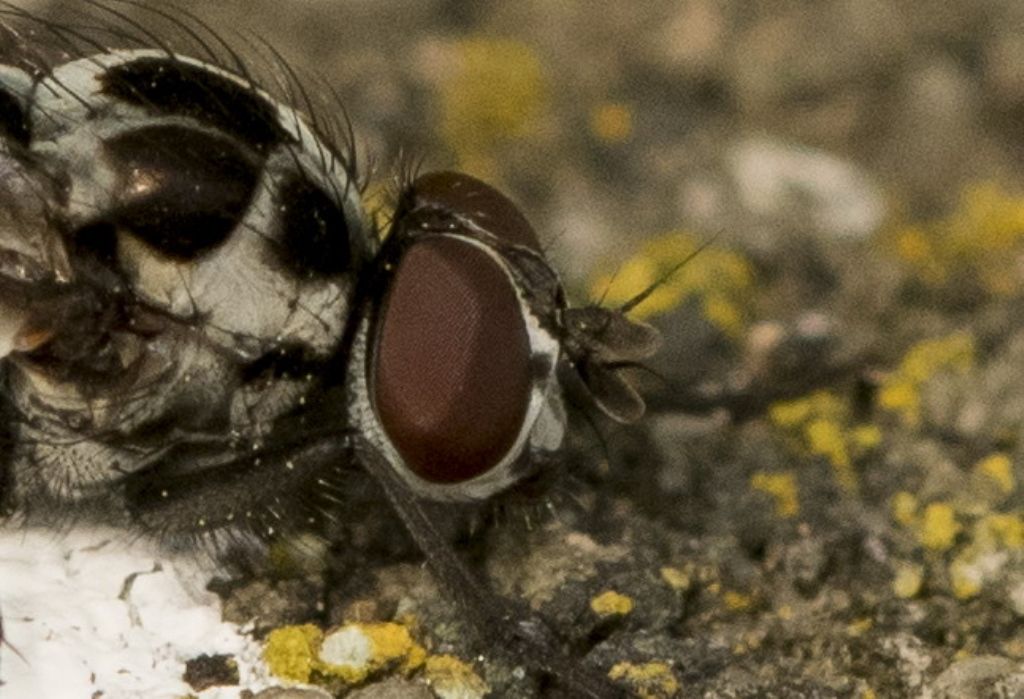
(454, 195)
(451, 371)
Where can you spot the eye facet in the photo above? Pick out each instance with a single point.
(451, 374)
(181, 190)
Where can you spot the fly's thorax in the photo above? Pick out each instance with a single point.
(190, 248)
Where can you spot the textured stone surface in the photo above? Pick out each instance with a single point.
(855, 534)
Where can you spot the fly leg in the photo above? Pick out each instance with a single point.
(523, 635)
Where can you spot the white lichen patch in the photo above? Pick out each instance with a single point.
(349, 646)
(355, 651)
(92, 613)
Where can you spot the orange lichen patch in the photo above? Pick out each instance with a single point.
(782, 487)
(611, 122)
(981, 239)
(822, 425)
(648, 680)
(496, 93)
(450, 678)
(611, 603)
(900, 392)
(719, 280)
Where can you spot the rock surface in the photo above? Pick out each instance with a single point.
(849, 520)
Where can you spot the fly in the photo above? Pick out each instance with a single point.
(204, 333)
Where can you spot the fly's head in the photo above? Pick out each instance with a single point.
(178, 258)
(456, 374)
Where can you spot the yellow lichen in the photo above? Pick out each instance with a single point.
(611, 603)
(997, 531)
(938, 527)
(290, 651)
(648, 680)
(859, 627)
(782, 487)
(908, 580)
(717, 279)
(822, 424)
(866, 436)
(998, 468)
(350, 653)
(450, 678)
(611, 122)
(791, 413)
(901, 391)
(981, 239)
(904, 508)
(675, 578)
(980, 543)
(827, 438)
(737, 601)
(354, 651)
(965, 577)
(497, 93)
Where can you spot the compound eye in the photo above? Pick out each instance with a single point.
(181, 190)
(451, 372)
(469, 200)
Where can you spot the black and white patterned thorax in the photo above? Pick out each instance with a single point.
(183, 250)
